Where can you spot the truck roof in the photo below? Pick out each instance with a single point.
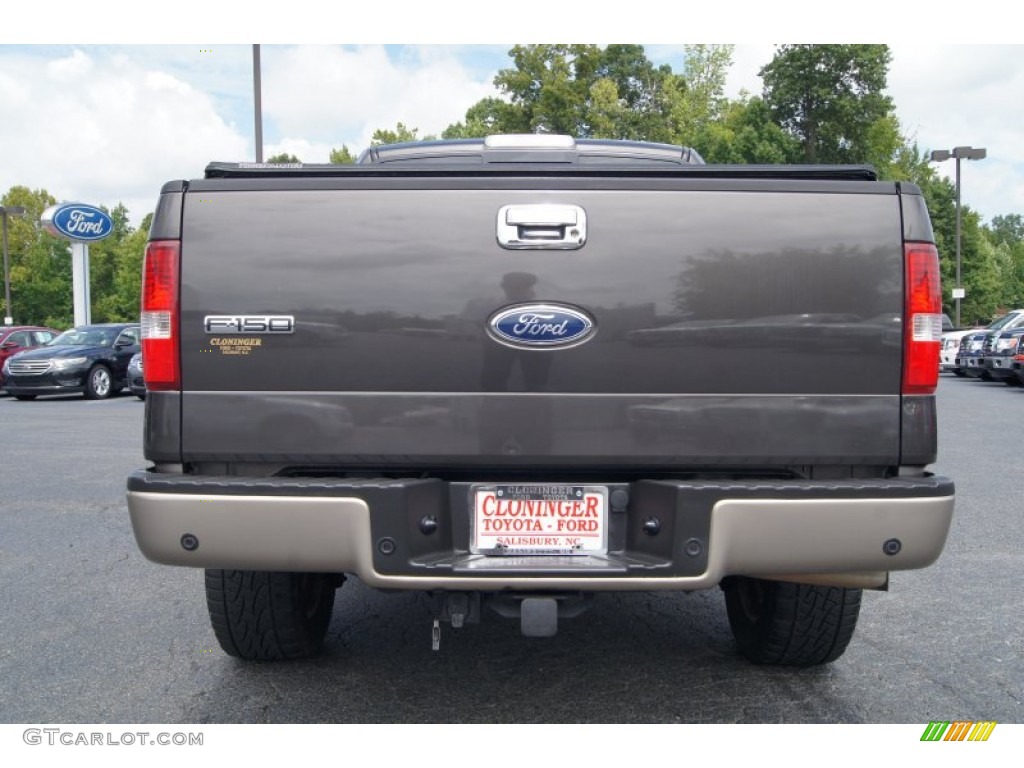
(532, 148)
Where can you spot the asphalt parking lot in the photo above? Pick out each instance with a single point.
(92, 632)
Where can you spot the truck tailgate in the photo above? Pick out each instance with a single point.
(736, 322)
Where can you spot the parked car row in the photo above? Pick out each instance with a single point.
(91, 359)
(993, 353)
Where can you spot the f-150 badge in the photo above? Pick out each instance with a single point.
(541, 326)
(249, 324)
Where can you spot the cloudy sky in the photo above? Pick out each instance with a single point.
(103, 116)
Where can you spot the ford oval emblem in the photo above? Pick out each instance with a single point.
(77, 221)
(541, 326)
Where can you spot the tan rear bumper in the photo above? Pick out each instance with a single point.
(781, 537)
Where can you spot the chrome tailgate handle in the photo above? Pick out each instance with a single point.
(542, 227)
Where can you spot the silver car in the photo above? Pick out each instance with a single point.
(136, 382)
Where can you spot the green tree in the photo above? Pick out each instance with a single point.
(1006, 235)
(697, 98)
(40, 265)
(342, 156)
(983, 273)
(488, 116)
(282, 158)
(104, 263)
(746, 133)
(400, 135)
(607, 111)
(885, 148)
(645, 93)
(830, 97)
(1007, 229)
(120, 302)
(548, 86)
(580, 90)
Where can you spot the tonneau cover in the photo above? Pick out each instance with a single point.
(607, 167)
(532, 154)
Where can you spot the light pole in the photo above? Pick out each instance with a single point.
(5, 211)
(960, 153)
(257, 91)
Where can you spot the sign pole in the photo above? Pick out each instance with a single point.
(80, 283)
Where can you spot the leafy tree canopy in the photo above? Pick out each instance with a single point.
(342, 156)
(400, 135)
(614, 92)
(830, 97)
(1008, 229)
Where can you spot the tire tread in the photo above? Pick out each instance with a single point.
(800, 624)
(260, 615)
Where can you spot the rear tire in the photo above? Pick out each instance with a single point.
(24, 397)
(799, 625)
(270, 616)
(959, 373)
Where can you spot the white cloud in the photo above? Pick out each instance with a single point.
(162, 82)
(74, 66)
(333, 96)
(956, 95)
(960, 94)
(747, 61)
(102, 130)
(306, 151)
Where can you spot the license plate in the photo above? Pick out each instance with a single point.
(510, 520)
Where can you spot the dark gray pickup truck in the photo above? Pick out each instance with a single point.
(516, 372)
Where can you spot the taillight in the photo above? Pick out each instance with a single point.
(160, 345)
(923, 319)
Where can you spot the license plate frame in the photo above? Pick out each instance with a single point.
(538, 519)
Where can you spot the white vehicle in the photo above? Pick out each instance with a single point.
(949, 349)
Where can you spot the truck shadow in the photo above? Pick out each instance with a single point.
(631, 658)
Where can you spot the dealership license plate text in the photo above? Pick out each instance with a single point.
(540, 520)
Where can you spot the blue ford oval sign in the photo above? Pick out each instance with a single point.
(541, 326)
(77, 221)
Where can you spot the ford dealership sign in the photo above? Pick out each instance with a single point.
(541, 326)
(78, 222)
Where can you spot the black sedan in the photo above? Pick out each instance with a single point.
(92, 359)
